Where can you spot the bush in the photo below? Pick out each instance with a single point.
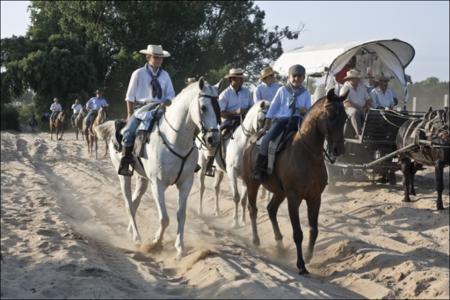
(9, 118)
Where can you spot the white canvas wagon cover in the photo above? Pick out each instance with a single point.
(329, 59)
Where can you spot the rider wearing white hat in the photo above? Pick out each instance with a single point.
(149, 85)
(358, 99)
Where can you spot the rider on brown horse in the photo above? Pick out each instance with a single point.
(56, 108)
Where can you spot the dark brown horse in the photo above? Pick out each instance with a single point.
(57, 124)
(433, 130)
(300, 171)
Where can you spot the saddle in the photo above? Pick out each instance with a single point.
(275, 146)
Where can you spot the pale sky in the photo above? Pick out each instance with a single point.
(423, 24)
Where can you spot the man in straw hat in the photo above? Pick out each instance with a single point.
(382, 96)
(151, 90)
(234, 102)
(92, 106)
(290, 104)
(358, 99)
(268, 87)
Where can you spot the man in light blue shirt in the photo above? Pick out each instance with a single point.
(267, 89)
(288, 107)
(149, 86)
(93, 105)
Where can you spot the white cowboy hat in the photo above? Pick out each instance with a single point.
(353, 73)
(235, 72)
(266, 72)
(155, 50)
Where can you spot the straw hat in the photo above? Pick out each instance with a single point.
(155, 50)
(353, 73)
(235, 72)
(266, 72)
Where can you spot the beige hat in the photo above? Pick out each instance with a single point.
(155, 50)
(266, 72)
(353, 73)
(235, 72)
(55, 99)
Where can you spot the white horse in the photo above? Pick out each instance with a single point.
(170, 157)
(233, 156)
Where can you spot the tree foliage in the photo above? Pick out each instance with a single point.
(73, 47)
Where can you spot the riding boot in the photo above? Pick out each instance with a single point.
(259, 173)
(126, 162)
(210, 169)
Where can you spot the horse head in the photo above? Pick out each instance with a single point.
(257, 115)
(334, 120)
(205, 113)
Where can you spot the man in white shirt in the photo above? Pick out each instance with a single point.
(93, 105)
(268, 87)
(382, 96)
(77, 108)
(358, 99)
(56, 108)
(151, 86)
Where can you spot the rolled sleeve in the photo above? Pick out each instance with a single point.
(169, 91)
(223, 101)
(132, 88)
(275, 105)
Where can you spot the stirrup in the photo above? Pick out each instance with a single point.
(124, 167)
(211, 172)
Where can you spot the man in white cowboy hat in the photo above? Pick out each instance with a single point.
(234, 102)
(92, 106)
(55, 108)
(151, 86)
(268, 87)
(358, 99)
(77, 108)
(382, 96)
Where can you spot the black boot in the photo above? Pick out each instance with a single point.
(259, 173)
(127, 161)
(210, 169)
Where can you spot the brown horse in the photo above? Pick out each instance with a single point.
(91, 137)
(300, 171)
(57, 124)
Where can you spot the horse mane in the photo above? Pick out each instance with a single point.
(254, 109)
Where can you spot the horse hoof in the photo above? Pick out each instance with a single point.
(303, 271)
(440, 207)
(217, 214)
(406, 200)
(308, 257)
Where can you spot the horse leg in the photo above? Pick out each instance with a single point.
(158, 194)
(106, 149)
(252, 190)
(183, 192)
(272, 209)
(140, 188)
(95, 145)
(244, 202)
(293, 206)
(313, 216)
(234, 190)
(406, 170)
(217, 182)
(202, 188)
(125, 184)
(439, 174)
(414, 168)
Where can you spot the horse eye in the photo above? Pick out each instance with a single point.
(203, 108)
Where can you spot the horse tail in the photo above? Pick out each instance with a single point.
(105, 130)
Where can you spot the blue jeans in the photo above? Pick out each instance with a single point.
(54, 115)
(90, 117)
(129, 131)
(276, 128)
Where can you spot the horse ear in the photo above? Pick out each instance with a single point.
(201, 83)
(430, 109)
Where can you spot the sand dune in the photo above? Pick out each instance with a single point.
(63, 235)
